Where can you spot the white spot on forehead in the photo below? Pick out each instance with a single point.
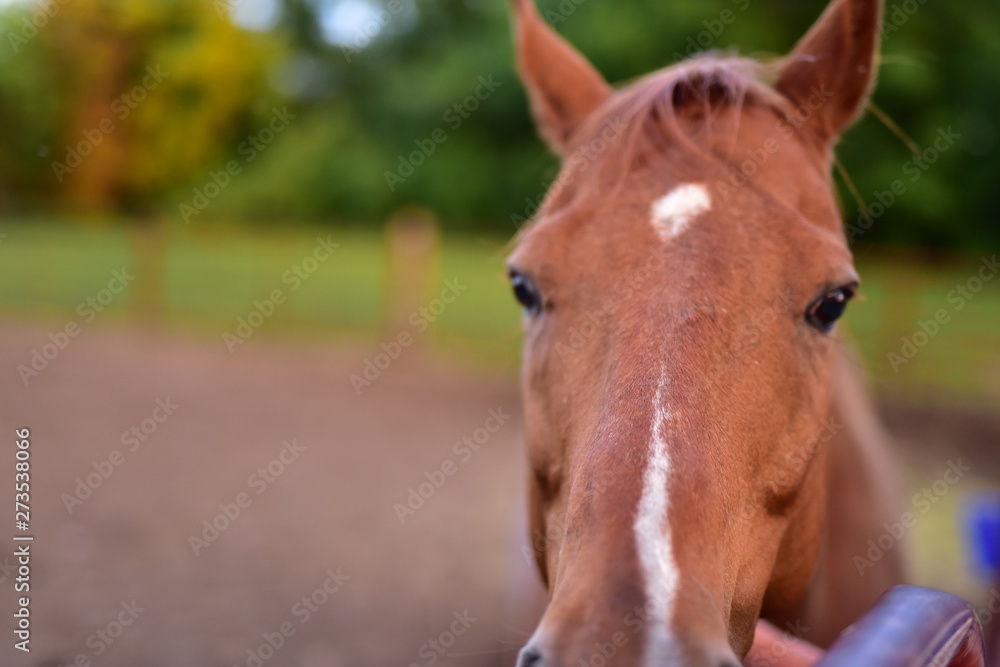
(673, 212)
(652, 534)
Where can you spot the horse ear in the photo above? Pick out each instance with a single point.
(831, 71)
(562, 86)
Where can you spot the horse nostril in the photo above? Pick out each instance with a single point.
(730, 662)
(530, 657)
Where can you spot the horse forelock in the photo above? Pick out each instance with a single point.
(696, 92)
(661, 115)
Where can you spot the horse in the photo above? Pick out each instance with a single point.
(702, 449)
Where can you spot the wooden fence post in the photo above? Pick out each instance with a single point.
(413, 250)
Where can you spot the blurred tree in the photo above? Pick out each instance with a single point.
(139, 97)
(29, 109)
(383, 85)
(387, 113)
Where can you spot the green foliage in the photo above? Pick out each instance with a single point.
(367, 113)
(935, 76)
(212, 277)
(111, 102)
(29, 110)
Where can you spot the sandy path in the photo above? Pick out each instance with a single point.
(323, 517)
(328, 508)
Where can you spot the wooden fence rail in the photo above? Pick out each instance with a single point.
(911, 627)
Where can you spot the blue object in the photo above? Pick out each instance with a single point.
(982, 524)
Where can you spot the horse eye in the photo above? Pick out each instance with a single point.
(526, 293)
(825, 311)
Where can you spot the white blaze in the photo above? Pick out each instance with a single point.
(673, 212)
(652, 534)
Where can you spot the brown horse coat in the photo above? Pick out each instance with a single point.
(702, 453)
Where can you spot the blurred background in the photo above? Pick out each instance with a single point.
(254, 314)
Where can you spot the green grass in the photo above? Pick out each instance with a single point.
(211, 278)
(961, 362)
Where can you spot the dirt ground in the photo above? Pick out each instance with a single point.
(115, 578)
(442, 575)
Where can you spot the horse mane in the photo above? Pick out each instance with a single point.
(697, 91)
(673, 109)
